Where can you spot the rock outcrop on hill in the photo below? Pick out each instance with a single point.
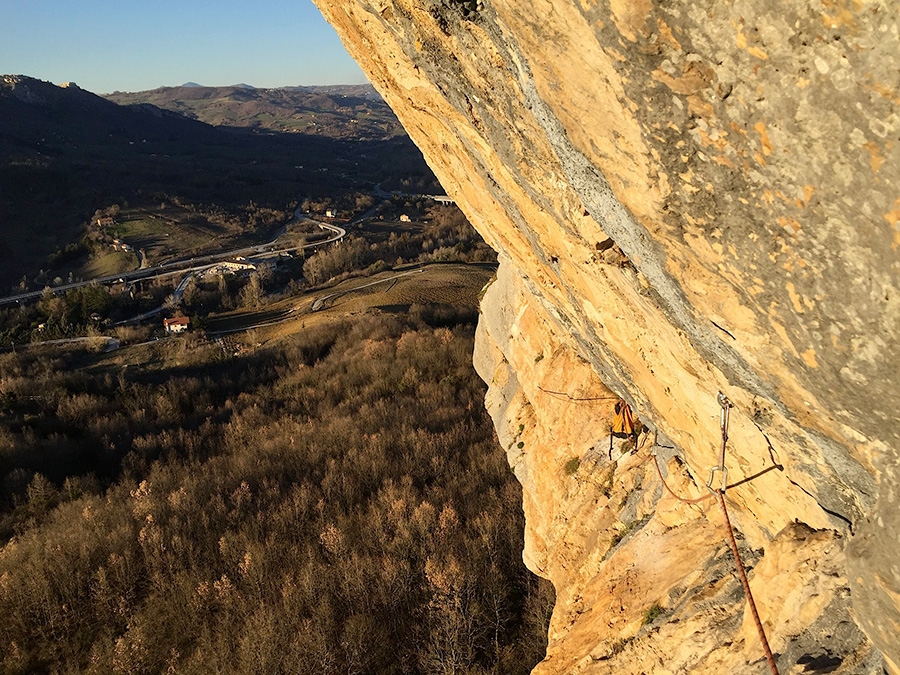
(688, 198)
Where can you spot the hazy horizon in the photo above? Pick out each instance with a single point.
(106, 47)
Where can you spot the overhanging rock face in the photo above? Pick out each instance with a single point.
(688, 197)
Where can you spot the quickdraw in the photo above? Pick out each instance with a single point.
(726, 406)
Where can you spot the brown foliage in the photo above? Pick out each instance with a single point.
(337, 505)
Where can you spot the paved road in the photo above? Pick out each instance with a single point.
(203, 262)
(111, 343)
(277, 318)
(189, 265)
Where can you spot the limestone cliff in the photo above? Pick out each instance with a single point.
(688, 198)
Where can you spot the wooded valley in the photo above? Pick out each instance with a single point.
(336, 503)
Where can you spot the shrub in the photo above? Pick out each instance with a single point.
(572, 466)
(651, 613)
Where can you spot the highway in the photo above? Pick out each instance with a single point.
(196, 264)
(187, 265)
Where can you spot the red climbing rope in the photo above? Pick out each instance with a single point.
(742, 573)
(746, 584)
(720, 493)
(696, 500)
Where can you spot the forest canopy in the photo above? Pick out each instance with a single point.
(334, 503)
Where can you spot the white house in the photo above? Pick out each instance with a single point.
(177, 324)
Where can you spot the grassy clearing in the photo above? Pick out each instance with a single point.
(437, 286)
(387, 298)
(166, 232)
(294, 123)
(112, 262)
(447, 284)
(143, 225)
(239, 320)
(455, 284)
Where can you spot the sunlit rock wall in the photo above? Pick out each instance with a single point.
(689, 197)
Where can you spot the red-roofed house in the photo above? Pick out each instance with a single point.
(177, 324)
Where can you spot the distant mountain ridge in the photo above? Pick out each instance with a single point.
(241, 85)
(336, 111)
(361, 90)
(366, 91)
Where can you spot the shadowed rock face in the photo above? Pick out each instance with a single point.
(688, 198)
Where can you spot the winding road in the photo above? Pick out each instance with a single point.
(189, 265)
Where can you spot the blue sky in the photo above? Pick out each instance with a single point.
(124, 45)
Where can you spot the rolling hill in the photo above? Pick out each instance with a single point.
(344, 111)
